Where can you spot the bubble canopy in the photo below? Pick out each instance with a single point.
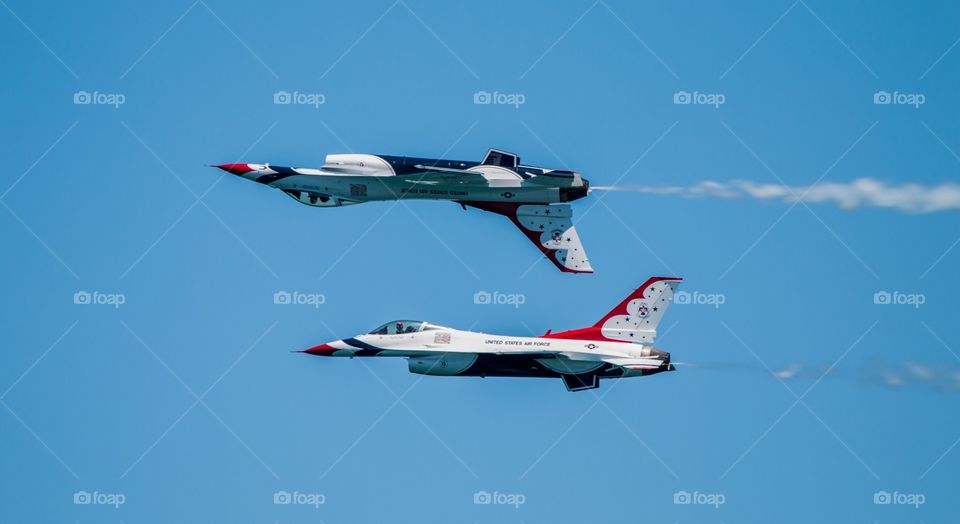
(399, 327)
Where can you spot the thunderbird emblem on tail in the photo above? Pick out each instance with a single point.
(533, 198)
(619, 345)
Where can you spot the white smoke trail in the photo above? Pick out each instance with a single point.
(902, 375)
(862, 192)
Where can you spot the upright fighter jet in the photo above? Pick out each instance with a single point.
(534, 198)
(619, 345)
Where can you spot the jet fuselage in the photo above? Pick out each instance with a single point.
(620, 344)
(535, 199)
(353, 179)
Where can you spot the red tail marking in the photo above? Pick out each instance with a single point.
(594, 332)
(637, 293)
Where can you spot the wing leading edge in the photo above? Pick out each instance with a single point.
(549, 227)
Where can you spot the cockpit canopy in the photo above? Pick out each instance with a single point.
(398, 327)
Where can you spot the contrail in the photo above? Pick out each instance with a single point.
(903, 375)
(862, 192)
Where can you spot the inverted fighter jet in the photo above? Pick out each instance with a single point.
(619, 345)
(534, 198)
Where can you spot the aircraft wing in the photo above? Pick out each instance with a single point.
(549, 227)
(448, 175)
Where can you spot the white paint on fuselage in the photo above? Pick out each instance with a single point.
(435, 340)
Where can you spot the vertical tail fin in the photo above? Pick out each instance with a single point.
(635, 319)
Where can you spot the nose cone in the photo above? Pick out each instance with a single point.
(323, 350)
(236, 169)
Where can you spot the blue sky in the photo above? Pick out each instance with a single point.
(803, 397)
